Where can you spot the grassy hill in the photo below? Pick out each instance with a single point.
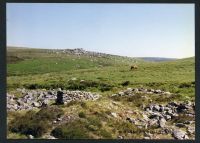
(45, 70)
(105, 74)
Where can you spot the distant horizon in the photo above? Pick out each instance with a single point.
(96, 51)
(132, 30)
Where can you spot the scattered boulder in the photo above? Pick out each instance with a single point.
(50, 137)
(121, 94)
(162, 122)
(44, 103)
(182, 108)
(167, 93)
(179, 134)
(30, 137)
(156, 108)
(147, 138)
(158, 91)
(114, 114)
(153, 122)
(155, 115)
(180, 125)
(167, 117)
(59, 119)
(191, 130)
(36, 104)
(148, 135)
(120, 137)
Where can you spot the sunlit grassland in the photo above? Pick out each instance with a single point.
(48, 70)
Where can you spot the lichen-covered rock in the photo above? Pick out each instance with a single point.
(179, 134)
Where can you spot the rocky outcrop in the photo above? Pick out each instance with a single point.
(175, 119)
(78, 52)
(40, 98)
(133, 91)
(178, 134)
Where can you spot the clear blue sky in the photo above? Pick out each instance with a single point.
(135, 30)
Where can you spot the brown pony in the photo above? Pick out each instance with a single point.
(134, 67)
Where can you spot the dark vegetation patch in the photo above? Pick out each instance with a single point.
(180, 89)
(78, 85)
(105, 134)
(46, 86)
(70, 85)
(72, 130)
(95, 121)
(105, 87)
(71, 103)
(99, 113)
(125, 83)
(13, 59)
(140, 99)
(173, 97)
(136, 99)
(82, 115)
(35, 123)
(81, 129)
(187, 85)
(84, 105)
(123, 127)
(155, 84)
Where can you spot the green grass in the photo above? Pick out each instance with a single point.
(38, 69)
(165, 75)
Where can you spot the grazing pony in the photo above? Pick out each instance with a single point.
(134, 67)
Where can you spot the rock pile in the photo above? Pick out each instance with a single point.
(78, 51)
(170, 111)
(39, 98)
(133, 91)
(160, 116)
(176, 119)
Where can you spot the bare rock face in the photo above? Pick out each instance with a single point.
(178, 134)
(162, 122)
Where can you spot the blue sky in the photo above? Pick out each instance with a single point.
(135, 30)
